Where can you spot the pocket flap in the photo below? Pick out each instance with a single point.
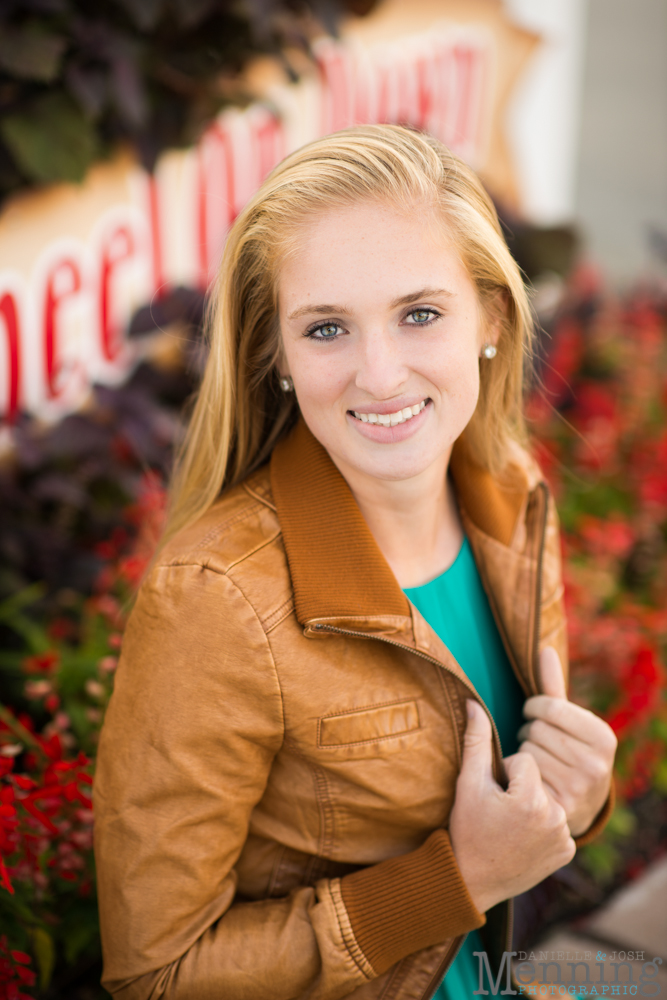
(378, 722)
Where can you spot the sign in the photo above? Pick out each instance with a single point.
(77, 261)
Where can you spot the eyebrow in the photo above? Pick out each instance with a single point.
(403, 300)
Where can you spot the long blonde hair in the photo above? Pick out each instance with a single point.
(241, 413)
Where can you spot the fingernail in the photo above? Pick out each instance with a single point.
(470, 708)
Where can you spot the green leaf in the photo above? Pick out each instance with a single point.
(622, 822)
(660, 780)
(659, 729)
(30, 54)
(11, 661)
(42, 946)
(601, 860)
(80, 936)
(52, 141)
(23, 599)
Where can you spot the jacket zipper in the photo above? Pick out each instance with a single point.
(544, 489)
(320, 627)
(448, 960)
(534, 659)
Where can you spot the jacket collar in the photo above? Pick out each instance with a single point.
(338, 571)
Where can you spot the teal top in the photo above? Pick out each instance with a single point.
(456, 607)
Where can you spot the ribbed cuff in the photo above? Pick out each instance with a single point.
(600, 821)
(408, 903)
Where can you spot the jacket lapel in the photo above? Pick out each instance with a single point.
(337, 568)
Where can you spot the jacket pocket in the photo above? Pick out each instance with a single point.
(367, 726)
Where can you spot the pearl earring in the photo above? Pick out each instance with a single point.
(489, 351)
(286, 383)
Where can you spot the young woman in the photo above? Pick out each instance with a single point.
(301, 789)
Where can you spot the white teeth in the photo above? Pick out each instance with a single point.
(391, 419)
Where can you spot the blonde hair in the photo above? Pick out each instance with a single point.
(241, 413)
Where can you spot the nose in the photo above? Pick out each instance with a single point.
(382, 368)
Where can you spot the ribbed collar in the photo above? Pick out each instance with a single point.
(337, 568)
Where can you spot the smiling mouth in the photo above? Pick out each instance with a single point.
(390, 419)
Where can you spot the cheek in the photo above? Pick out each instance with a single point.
(318, 380)
(457, 372)
(320, 372)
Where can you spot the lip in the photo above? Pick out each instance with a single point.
(391, 406)
(390, 435)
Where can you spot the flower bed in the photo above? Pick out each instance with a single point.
(598, 418)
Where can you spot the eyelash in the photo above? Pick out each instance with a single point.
(320, 326)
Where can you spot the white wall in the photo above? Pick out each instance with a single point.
(543, 120)
(622, 180)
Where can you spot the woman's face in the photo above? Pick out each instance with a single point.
(382, 331)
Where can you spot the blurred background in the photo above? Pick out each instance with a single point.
(131, 134)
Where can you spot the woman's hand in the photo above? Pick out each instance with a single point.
(505, 842)
(573, 749)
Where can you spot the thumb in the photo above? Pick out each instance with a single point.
(551, 673)
(478, 742)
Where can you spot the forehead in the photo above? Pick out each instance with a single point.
(369, 245)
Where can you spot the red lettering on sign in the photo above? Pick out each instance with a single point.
(118, 248)
(465, 60)
(64, 281)
(9, 314)
(423, 73)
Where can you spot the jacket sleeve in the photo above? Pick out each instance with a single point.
(189, 739)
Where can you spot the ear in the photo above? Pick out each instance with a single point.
(494, 315)
(280, 362)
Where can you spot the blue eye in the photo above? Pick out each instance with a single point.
(326, 331)
(420, 317)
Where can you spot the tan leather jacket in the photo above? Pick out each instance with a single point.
(279, 757)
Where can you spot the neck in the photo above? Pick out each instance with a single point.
(415, 522)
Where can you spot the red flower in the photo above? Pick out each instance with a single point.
(60, 628)
(640, 683)
(41, 663)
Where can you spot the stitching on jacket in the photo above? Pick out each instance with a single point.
(217, 529)
(326, 811)
(367, 708)
(373, 739)
(452, 713)
(279, 615)
(400, 974)
(268, 646)
(259, 496)
(347, 933)
(251, 552)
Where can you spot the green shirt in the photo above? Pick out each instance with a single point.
(456, 607)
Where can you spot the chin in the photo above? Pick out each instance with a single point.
(394, 468)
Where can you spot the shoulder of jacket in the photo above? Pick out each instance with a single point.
(238, 525)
